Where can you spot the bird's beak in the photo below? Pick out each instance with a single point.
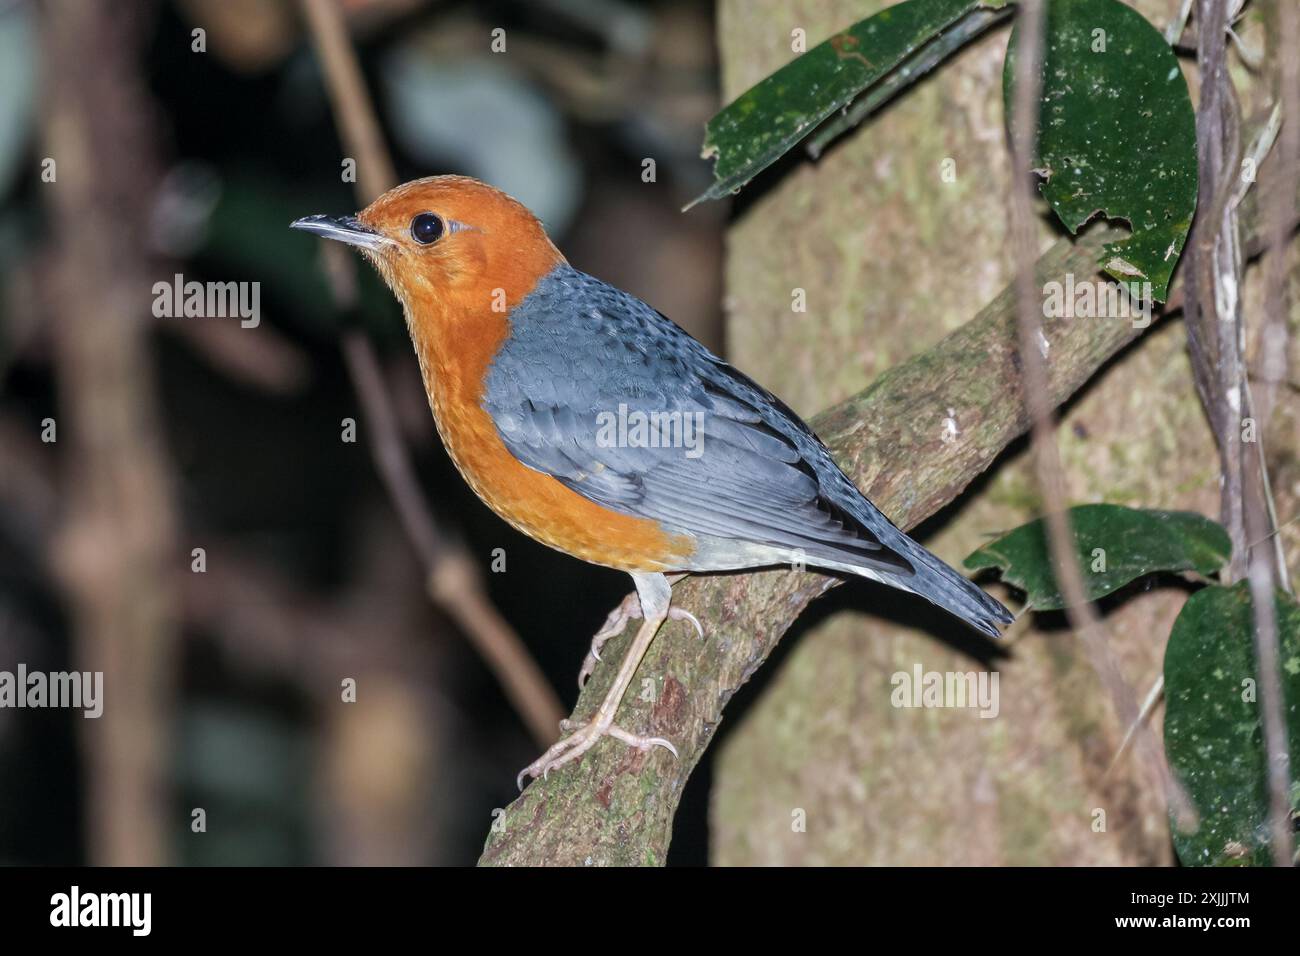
(347, 229)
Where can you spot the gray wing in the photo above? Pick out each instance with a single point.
(587, 365)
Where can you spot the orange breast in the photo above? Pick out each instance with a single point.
(536, 504)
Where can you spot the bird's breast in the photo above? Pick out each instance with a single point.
(534, 503)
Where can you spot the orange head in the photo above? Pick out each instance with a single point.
(456, 252)
(460, 256)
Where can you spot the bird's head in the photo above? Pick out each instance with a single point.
(448, 246)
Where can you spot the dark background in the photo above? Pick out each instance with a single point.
(310, 577)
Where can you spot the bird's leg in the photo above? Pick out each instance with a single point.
(602, 723)
(654, 594)
(628, 609)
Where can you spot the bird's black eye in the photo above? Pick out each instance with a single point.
(427, 227)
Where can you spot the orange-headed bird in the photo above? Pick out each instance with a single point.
(592, 423)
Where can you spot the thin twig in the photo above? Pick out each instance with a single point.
(1263, 591)
(1216, 337)
(359, 128)
(1046, 455)
(1214, 270)
(1179, 23)
(453, 580)
(1144, 713)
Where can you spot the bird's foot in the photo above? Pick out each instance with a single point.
(628, 610)
(582, 739)
(651, 602)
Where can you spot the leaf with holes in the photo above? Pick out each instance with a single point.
(1114, 545)
(1116, 134)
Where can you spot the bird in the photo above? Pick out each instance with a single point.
(594, 424)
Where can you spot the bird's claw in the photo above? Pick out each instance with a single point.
(643, 743)
(681, 614)
(629, 609)
(582, 740)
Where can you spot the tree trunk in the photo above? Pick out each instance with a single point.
(822, 768)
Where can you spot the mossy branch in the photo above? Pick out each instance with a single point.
(912, 441)
(896, 440)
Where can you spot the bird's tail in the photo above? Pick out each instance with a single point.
(935, 581)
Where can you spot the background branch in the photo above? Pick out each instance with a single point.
(453, 579)
(118, 537)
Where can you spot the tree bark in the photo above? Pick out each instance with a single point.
(823, 769)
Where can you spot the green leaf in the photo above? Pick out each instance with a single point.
(1114, 544)
(1214, 737)
(769, 118)
(1116, 134)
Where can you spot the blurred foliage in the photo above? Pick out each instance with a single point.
(17, 85)
(308, 571)
(247, 235)
(250, 773)
(519, 142)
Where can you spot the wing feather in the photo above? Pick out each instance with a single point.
(752, 472)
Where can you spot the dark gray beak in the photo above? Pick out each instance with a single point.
(343, 228)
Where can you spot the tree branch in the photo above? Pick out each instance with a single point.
(616, 806)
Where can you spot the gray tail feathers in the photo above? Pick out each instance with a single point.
(941, 585)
